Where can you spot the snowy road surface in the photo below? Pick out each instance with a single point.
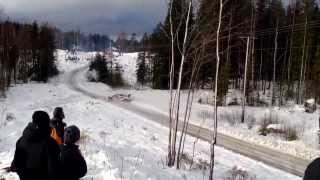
(271, 157)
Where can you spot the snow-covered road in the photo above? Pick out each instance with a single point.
(271, 157)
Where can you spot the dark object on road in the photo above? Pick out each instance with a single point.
(120, 97)
(313, 170)
(310, 106)
(58, 125)
(73, 164)
(37, 155)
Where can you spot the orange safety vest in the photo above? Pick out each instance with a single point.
(55, 136)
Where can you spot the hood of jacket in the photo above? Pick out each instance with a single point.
(33, 133)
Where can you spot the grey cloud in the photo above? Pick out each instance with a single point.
(104, 16)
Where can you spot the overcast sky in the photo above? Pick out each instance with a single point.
(90, 16)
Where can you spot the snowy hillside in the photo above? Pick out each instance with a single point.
(116, 144)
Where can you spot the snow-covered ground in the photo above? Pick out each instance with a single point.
(306, 124)
(117, 144)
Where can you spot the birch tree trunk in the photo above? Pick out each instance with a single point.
(291, 43)
(215, 123)
(303, 91)
(253, 29)
(183, 58)
(245, 81)
(171, 104)
(299, 100)
(261, 65)
(228, 49)
(274, 64)
(283, 74)
(187, 112)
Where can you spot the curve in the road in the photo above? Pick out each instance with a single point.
(277, 159)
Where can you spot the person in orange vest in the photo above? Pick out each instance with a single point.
(57, 125)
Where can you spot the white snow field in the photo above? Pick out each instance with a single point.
(116, 144)
(306, 124)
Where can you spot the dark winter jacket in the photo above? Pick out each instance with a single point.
(313, 170)
(73, 164)
(37, 156)
(59, 125)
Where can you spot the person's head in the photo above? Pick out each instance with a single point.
(71, 135)
(58, 113)
(41, 120)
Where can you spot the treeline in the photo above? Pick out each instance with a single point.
(272, 46)
(124, 43)
(96, 42)
(26, 53)
(76, 40)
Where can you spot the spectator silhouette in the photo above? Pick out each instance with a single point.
(58, 125)
(37, 155)
(313, 170)
(73, 164)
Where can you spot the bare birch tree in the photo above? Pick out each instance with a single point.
(175, 96)
(274, 64)
(172, 36)
(215, 123)
(291, 43)
(245, 81)
(299, 98)
(183, 59)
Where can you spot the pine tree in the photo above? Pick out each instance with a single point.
(133, 43)
(207, 23)
(314, 76)
(26, 53)
(223, 84)
(100, 66)
(145, 42)
(117, 80)
(35, 46)
(142, 69)
(46, 64)
(122, 42)
(159, 61)
(304, 41)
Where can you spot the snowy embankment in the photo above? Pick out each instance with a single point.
(115, 143)
(306, 124)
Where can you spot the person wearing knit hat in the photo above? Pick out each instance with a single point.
(73, 164)
(72, 135)
(41, 119)
(37, 155)
(58, 125)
